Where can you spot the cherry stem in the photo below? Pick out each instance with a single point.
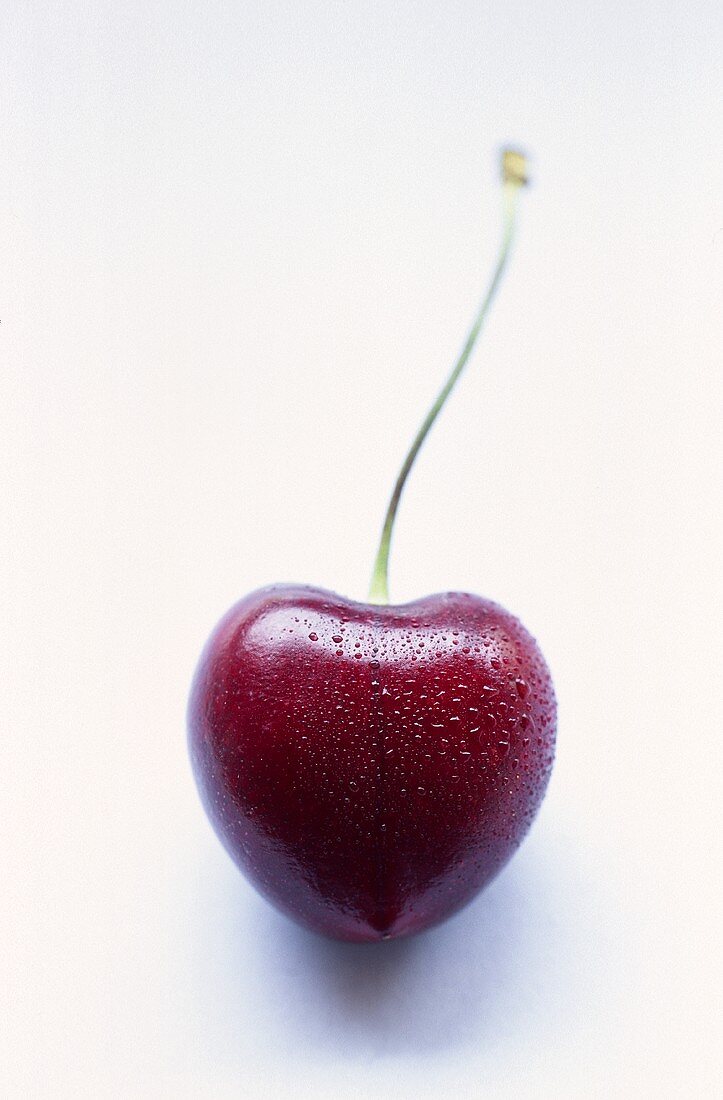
(514, 177)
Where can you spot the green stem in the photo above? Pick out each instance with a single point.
(514, 177)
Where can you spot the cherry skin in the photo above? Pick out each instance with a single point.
(370, 767)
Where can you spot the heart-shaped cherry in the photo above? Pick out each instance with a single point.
(370, 767)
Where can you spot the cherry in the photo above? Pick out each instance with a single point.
(371, 766)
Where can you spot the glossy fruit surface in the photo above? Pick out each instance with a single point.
(370, 767)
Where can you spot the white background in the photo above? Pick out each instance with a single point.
(241, 245)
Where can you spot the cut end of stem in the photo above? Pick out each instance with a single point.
(514, 167)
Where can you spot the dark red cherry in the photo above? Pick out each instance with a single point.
(370, 767)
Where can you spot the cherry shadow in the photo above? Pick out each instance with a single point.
(502, 975)
(475, 979)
